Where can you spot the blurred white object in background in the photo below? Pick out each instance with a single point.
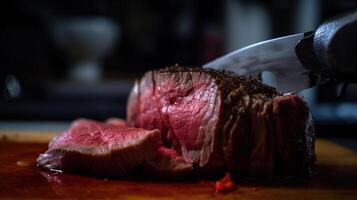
(85, 40)
(246, 23)
(12, 87)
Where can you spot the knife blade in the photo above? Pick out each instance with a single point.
(276, 56)
(302, 60)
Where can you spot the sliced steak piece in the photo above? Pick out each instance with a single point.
(219, 120)
(100, 149)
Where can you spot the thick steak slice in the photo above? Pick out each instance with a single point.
(218, 120)
(100, 149)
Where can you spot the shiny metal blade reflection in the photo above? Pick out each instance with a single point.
(276, 56)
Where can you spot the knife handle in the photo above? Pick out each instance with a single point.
(335, 47)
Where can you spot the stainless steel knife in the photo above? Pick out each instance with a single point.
(300, 61)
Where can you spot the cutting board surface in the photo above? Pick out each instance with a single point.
(335, 178)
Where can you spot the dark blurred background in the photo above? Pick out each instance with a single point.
(61, 60)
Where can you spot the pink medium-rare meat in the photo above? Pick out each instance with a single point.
(218, 120)
(158, 95)
(100, 149)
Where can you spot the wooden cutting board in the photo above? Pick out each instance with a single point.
(335, 178)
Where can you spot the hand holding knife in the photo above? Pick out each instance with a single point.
(303, 60)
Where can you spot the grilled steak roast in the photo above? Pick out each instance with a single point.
(193, 119)
(100, 149)
(218, 120)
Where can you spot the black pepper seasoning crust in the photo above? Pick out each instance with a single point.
(228, 81)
